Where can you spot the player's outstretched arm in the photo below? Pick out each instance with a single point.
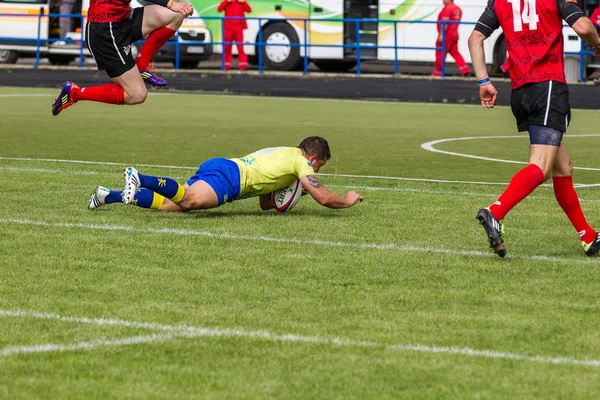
(327, 198)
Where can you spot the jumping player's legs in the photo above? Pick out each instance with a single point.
(110, 45)
(159, 24)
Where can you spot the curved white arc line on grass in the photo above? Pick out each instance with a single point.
(231, 236)
(429, 146)
(173, 331)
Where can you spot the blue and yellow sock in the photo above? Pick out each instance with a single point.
(146, 198)
(166, 187)
(113, 197)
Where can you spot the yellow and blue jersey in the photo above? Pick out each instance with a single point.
(270, 169)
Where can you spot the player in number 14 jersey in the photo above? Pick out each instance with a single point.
(539, 101)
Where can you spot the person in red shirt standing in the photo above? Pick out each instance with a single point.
(450, 12)
(111, 29)
(234, 30)
(595, 18)
(539, 101)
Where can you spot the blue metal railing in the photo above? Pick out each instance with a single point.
(260, 44)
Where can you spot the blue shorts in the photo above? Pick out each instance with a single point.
(222, 175)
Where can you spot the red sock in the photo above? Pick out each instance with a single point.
(155, 41)
(569, 202)
(521, 185)
(111, 94)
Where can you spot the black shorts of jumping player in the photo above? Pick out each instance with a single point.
(110, 42)
(543, 110)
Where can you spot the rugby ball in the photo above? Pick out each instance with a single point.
(286, 198)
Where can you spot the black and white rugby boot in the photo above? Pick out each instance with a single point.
(493, 230)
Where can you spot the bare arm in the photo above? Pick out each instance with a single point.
(574, 16)
(488, 23)
(478, 54)
(586, 30)
(326, 197)
(487, 92)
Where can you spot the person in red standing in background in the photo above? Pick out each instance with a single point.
(595, 18)
(450, 12)
(234, 30)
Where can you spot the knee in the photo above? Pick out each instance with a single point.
(564, 169)
(178, 21)
(188, 204)
(138, 97)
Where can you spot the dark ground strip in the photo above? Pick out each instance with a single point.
(449, 90)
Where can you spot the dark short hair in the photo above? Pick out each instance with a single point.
(316, 145)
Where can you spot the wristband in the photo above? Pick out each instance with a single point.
(170, 4)
(484, 81)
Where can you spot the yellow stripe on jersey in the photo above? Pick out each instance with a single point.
(270, 169)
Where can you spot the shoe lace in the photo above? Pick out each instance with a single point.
(152, 67)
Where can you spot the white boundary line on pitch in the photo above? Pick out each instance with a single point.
(108, 163)
(393, 178)
(173, 331)
(49, 347)
(357, 187)
(325, 243)
(429, 146)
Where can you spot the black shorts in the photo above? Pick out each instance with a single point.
(542, 104)
(110, 42)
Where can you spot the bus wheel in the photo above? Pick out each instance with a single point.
(60, 59)
(8, 56)
(334, 65)
(277, 52)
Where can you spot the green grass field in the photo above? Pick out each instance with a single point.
(398, 297)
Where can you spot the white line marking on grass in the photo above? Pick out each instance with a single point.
(173, 331)
(52, 171)
(194, 168)
(49, 347)
(231, 236)
(93, 162)
(429, 146)
(26, 95)
(453, 193)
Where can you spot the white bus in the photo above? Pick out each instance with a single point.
(25, 30)
(320, 31)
